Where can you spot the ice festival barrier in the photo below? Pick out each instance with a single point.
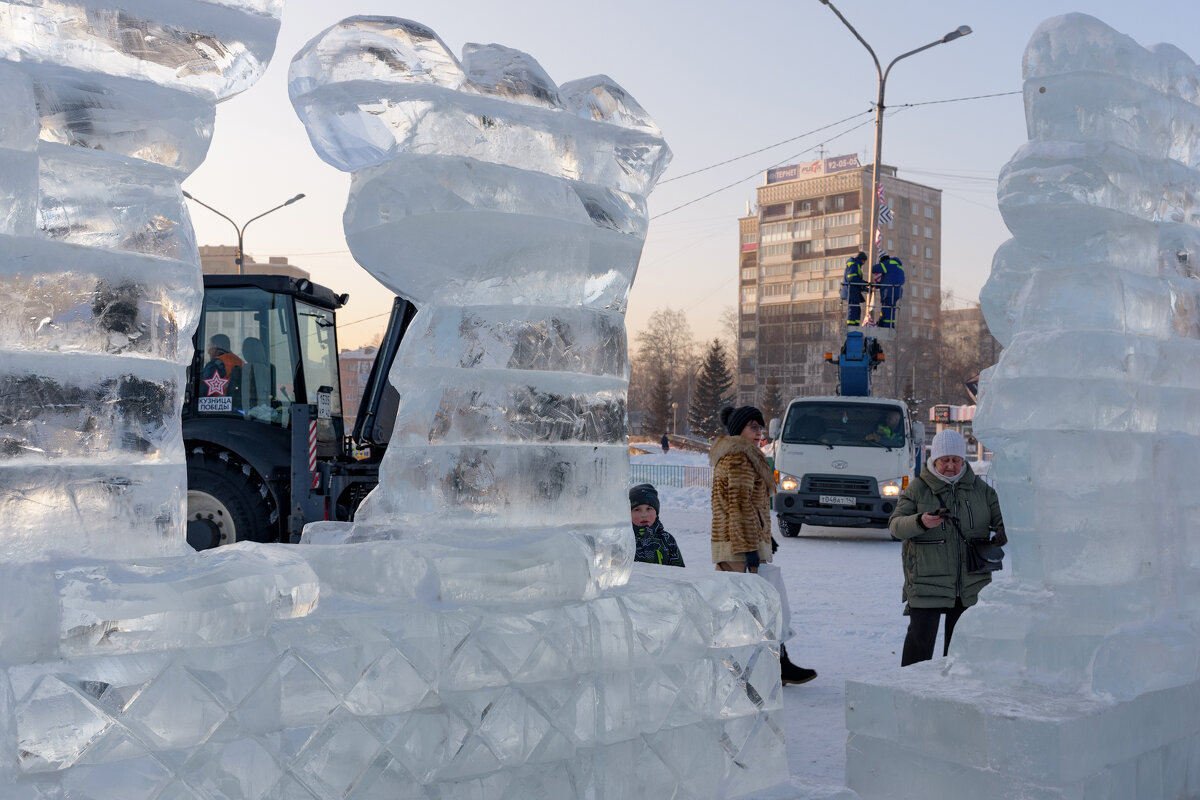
(444, 647)
(1078, 674)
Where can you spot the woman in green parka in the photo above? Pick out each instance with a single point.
(936, 580)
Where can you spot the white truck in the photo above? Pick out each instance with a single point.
(842, 461)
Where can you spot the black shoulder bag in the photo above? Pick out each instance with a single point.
(983, 555)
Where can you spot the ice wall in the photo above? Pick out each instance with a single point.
(104, 109)
(1077, 674)
(475, 657)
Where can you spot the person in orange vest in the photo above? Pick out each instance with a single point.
(218, 372)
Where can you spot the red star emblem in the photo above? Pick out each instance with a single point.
(216, 385)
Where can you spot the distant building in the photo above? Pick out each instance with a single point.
(222, 260)
(355, 367)
(966, 331)
(967, 348)
(810, 218)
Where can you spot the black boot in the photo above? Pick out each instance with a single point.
(790, 673)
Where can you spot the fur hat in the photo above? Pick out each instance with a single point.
(948, 443)
(735, 419)
(644, 494)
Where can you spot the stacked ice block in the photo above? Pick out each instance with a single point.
(479, 636)
(1078, 675)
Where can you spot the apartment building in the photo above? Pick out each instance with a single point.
(810, 218)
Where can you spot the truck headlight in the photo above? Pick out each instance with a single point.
(788, 483)
(891, 488)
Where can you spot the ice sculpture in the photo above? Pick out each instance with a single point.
(103, 111)
(494, 659)
(1077, 677)
(512, 211)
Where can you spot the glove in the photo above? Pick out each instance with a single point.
(774, 546)
(752, 560)
(1000, 538)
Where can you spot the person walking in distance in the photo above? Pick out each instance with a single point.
(742, 486)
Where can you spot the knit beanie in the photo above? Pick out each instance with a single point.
(948, 443)
(735, 419)
(644, 494)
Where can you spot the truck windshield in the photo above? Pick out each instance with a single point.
(246, 356)
(318, 357)
(844, 425)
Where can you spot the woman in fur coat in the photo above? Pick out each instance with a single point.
(743, 483)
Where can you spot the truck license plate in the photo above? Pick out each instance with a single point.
(837, 500)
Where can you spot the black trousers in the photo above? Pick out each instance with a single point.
(922, 632)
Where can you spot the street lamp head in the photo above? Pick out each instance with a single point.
(188, 196)
(301, 195)
(957, 33)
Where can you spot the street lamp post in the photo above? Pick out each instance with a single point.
(674, 427)
(957, 33)
(241, 230)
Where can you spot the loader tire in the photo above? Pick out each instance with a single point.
(230, 496)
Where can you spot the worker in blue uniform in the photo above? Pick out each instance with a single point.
(854, 283)
(888, 275)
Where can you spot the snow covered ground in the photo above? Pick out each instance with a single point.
(844, 587)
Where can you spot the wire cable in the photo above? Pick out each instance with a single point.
(758, 172)
(762, 149)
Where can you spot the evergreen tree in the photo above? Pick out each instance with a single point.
(659, 412)
(772, 399)
(713, 385)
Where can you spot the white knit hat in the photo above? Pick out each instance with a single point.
(948, 443)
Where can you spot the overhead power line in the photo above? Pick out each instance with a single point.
(763, 149)
(957, 99)
(758, 172)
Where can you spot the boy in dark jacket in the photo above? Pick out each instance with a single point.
(654, 544)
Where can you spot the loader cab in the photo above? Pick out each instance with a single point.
(263, 343)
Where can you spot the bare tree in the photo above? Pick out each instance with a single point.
(667, 342)
(729, 332)
(665, 347)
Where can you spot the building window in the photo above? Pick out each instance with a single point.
(749, 294)
(914, 251)
(928, 292)
(749, 238)
(916, 229)
(929, 252)
(750, 274)
(928, 232)
(929, 212)
(891, 245)
(916, 208)
(929, 273)
(915, 312)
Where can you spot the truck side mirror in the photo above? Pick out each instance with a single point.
(773, 429)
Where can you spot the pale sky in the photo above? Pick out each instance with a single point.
(722, 80)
